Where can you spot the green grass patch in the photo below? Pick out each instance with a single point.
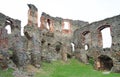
(72, 68)
(6, 73)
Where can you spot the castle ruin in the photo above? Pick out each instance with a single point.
(54, 40)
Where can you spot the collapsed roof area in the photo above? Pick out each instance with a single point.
(58, 39)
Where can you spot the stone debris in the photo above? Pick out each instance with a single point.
(19, 73)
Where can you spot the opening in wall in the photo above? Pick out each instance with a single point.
(86, 39)
(66, 25)
(48, 24)
(86, 47)
(73, 47)
(104, 63)
(58, 48)
(106, 37)
(8, 28)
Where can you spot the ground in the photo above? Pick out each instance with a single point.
(71, 68)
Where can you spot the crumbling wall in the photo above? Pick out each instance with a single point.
(56, 37)
(3, 48)
(52, 41)
(11, 44)
(32, 34)
(95, 44)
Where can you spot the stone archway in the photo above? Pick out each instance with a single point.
(104, 62)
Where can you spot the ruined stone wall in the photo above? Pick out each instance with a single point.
(10, 43)
(3, 39)
(52, 41)
(3, 48)
(91, 36)
(56, 36)
(14, 24)
(32, 34)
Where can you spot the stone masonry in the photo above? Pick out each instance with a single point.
(90, 35)
(54, 40)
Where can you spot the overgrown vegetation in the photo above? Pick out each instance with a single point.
(6, 73)
(71, 68)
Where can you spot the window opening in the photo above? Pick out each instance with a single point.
(73, 47)
(86, 47)
(8, 28)
(106, 37)
(48, 24)
(66, 26)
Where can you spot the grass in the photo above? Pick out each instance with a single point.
(6, 73)
(72, 68)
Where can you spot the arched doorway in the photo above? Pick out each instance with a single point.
(104, 63)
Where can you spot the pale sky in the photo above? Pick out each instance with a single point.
(86, 10)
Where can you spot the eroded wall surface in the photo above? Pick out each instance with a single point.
(57, 35)
(32, 34)
(91, 36)
(10, 44)
(52, 41)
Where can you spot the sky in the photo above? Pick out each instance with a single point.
(86, 10)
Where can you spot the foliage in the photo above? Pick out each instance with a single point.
(91, 61)
(72, 68)
(6, 73)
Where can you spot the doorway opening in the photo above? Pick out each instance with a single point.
(104, 63)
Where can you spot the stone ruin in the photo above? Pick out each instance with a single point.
(58, 39)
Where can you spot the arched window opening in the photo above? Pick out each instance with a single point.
(66, 25)
(48, 24)
(104, 63)
(106, 37)
(86, 47)
(73, 47)
(86, 39)
(8, 28)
